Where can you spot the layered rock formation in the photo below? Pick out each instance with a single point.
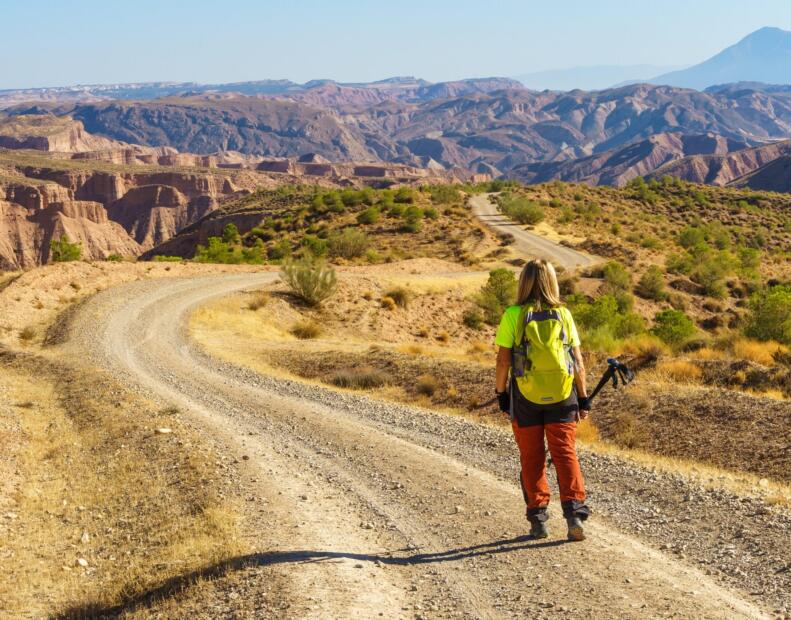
(737, 167)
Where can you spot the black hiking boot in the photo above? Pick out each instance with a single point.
(576, 532)
(538, 529)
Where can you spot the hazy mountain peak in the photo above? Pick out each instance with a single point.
(761, 56)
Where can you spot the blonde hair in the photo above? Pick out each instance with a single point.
(538, 284)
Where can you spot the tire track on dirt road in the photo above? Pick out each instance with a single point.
(363, 513)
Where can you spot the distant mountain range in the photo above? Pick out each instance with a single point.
(763, 56)
(486, 125)
(590, 78)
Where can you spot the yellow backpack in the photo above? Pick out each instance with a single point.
(542, 362)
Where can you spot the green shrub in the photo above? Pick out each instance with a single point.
(431, 213)
(64, 251)
(350, 243)
(411, 226)
(162, 258)
(230, 233)
(473, 319)
(652, 284)
(218, 251)
(673, 327)
(769, 316)
(404, 195)
(497, 294)
(310, 279)
(616, 278)
(368, 216)
(316, 246)
(279, 251)
(114, 258)
(444, 194)
(521, 209)
(396, 210)
(679, 262)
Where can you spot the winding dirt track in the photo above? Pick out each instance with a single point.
(526, 243)
(362, 509)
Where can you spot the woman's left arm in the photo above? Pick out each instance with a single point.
(503, 366)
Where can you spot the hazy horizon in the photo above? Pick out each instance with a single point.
(90, 42)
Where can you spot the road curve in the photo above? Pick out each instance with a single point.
(528, 244)
(365, 509)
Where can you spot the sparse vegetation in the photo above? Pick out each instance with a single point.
(306, 330)
(521, 209)
(258, 301)
(399, 295)
(363, 378)
(312, 280)
(427, 385)
(673, 327)
(63, 250)
(770, 315)
(350, 243)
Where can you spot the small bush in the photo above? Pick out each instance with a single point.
(616, 277)
(63, 250)
(27, 334)
(673, 327)
(497, 294)
(400, 296)
(522, 210)
(310, 279)
(652, 284)
(306, 330)
(350, 243)
(404, 195)
(388, 303)
(769, 317)
(427, 385)
(258, 301)
(368, 216)
(444, 194)
(473, 319)
(362, 378)
(162, 258)
(114, 258)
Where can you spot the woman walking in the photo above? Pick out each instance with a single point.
(541, 384)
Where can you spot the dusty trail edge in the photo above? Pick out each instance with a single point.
(361, 508)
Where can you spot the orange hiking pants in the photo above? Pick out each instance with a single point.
(561, 438)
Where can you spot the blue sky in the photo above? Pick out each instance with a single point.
(54, 43)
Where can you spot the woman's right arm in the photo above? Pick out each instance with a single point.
(503, 366)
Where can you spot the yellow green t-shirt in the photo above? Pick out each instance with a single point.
(506, 333)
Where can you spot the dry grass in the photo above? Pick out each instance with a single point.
(259, 300)
(388, 303)
(363, 378)
(399, 295)
(678, 371)
(27, 334)
(106, 508)
(754, 351)
(306, 330)
(427, 385)
(587, 432)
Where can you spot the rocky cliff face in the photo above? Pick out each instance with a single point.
(618, 166)
(725, 169)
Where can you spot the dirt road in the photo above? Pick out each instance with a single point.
(364, 509)
(527, 244)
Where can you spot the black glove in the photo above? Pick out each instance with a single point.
(504, 401)
(584, 403)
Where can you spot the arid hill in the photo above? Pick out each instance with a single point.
(125, 199)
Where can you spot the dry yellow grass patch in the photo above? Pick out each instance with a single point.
(708, 354)
(678, 371)
(587, 432)
(107, 507)
(755, 351)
